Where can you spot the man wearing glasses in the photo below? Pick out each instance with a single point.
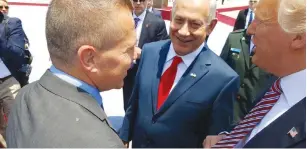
(246, 16)
(149, 28)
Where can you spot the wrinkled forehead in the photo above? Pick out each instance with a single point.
(194, 9)
(267, 10)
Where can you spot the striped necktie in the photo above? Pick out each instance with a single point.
(252, 119)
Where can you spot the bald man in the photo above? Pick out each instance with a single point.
(183, 91)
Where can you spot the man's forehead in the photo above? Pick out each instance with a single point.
(194, 9)
(267, 10)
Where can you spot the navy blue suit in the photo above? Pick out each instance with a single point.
(12, 48)
(276, 134)
(196, 107)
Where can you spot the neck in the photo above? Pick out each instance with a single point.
(75, 72)
(293, 65)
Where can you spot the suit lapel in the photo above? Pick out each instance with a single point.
(158, 68)
(196, 71)
(277, 134)
(72, 94)
(144, 31)
(245, 49)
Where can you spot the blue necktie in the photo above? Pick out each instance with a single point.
(136, 21)
(250, 18)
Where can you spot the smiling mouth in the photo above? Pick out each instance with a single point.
(182, 40)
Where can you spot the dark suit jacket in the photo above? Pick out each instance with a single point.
(276, 134)
(12, 47)
(195, 108)
(241, 20)
(153, 29)
(236, 53)
(51, 113)
(156, 12)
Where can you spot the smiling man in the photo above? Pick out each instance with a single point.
(183, 91)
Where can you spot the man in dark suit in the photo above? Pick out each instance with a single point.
(64, 108)
(246, 16)
(237, 53)
(278, 119)
(183, 91)
(153, 10)
(149, 28)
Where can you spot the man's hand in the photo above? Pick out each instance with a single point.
(137, 53)
(212, 140)
(126, 144)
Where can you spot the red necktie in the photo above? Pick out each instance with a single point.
(167, 80)
(252, 119)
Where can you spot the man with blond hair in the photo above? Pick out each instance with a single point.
(278, 119)
(64, 108)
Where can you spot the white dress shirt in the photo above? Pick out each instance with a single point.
(248, 16)
(294, 90)
(140, 25)
(4, 71)
(184, 65)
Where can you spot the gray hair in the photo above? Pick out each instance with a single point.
(292, 16)
(73, 23)
(212, 10)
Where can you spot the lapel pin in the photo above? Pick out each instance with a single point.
(193, 75)
(243, 38)
(147, 25)
(293, 132)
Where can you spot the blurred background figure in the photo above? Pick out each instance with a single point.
(149, 28)
(246, 16)
(153, 10)
(14, 62)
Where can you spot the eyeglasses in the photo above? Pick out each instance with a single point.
(6, 7)
(141, 1)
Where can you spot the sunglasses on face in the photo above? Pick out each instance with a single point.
(141, 1)
(6, 7)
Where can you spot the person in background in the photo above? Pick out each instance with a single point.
(153, 10)
(13, 64)
(183, 91)
(246, 16)
(149, 28)
(63, 109)
(278, 119)
(238, 54)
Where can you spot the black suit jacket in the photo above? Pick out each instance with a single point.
(153, 29)
(241, 20)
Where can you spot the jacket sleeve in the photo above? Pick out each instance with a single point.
(161, 33)
(126, 131)
(222, 110)
(14, 45)
(225, 50)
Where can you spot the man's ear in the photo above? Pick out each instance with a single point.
(299, 41)
(86, 57)
(211, 26)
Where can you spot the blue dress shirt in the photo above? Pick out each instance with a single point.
(93, 91)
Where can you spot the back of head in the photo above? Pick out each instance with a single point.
(73, 23)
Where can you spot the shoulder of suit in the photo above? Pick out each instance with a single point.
(240, 32)
(153, 17)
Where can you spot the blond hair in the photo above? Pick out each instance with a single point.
(292, 16)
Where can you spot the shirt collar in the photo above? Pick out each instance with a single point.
(141, 17)
(94, 92)
(294, 87)
(187, 59)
